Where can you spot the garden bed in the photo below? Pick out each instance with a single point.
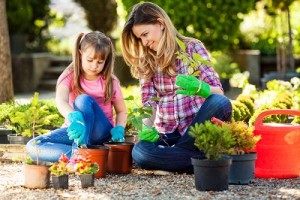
(142, 184)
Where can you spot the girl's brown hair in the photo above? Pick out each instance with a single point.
(142, 60)
(104, 51)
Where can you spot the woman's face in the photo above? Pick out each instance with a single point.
(149, 34)
(91, 64)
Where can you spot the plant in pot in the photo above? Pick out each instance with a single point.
(36, 173)
(211, 171)
(5, 109)
(28, 120)
(119, 157)
(60, 173)
(85, 168)
(243, 154)
(136, 114)
(97, 154)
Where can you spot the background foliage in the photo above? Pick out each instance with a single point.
(214, 22)
(100, 14)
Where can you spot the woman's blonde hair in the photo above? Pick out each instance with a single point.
(104, 50)
(142, 60)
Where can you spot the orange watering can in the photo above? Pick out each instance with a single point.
(278, 151)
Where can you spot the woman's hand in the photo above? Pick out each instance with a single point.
(149, 134)
(192, 86)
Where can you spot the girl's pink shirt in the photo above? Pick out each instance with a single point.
(95, 89)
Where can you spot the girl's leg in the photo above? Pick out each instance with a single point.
(50, 146)
(97, 124)
(215, 105)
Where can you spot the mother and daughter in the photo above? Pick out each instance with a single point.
(88, 94)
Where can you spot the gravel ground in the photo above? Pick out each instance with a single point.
(142, 184)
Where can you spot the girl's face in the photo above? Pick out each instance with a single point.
(91, 64)
(149, 34)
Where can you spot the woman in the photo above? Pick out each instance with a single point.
(149, 47)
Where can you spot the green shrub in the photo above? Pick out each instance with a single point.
(212, 139)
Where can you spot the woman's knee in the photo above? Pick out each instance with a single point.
(140, 154)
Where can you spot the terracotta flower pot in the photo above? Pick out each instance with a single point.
(36, 176)
(99, 154)
(119, 157)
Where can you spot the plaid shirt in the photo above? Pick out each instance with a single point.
(176, 111)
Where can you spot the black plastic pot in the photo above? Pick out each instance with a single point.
(242, 169)
(4, 132)
(211, 174)
(87, 180)
(60, 182)
(17, 139)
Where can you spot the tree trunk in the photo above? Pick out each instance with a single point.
(6, 90)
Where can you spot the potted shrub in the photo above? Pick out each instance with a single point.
(36, 173)
(85, 168)
(5, 109)
(243, 154)
(136, 114)
(211, 171)
(97, 154)
(60, 173)
(28, 120)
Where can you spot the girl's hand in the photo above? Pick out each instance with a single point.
(77, 129)
(117, 134)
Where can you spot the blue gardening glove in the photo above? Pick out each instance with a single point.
(117, 134)
(149, 134)
(192, 86)
(76, 130)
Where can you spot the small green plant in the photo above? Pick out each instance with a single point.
(193, 62)
(60, 168)
(28, 160)
(137, 113)
(33, 118)
(212, 139)
(245, 141)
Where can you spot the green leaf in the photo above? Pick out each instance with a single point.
(181, 44)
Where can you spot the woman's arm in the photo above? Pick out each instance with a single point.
(216, 90)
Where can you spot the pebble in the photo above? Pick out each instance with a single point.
(143, 184)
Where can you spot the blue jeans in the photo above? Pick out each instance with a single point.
(176, 156)
(50, 146)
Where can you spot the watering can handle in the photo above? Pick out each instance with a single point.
(259, 120)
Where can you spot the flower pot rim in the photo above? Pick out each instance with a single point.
(119, 143)
(95, 147)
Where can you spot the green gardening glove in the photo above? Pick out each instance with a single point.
(192, 86)
(149, 134)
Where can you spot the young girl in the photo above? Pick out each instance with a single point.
(149, 47)
(86, 94)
